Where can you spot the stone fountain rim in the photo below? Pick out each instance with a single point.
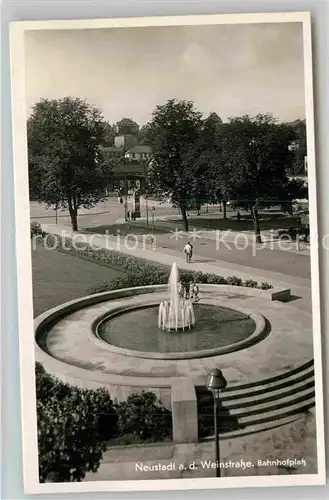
(258, 334)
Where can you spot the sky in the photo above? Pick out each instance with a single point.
(126, 72)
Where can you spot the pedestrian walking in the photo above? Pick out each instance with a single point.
(195, 291)
(238, 216)
(191, 292)
(188, 250)
(186, 290)
(128, 215)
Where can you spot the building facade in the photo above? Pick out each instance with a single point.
(125, 142)
(139, 153)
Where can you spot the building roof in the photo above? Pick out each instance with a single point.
(111, 149)
(134, 169)
(142, 148)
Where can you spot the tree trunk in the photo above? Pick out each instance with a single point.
(74, 217)
(198, 207)
(185, 220)
(254, 213)
(224, 210)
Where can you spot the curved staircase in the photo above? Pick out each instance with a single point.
(258, 406)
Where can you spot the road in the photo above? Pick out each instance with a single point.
(289, 263)
(108, 212)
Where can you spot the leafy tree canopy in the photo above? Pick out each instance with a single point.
(127, 126)
(173, 131)
(256, 151)
(63, 148)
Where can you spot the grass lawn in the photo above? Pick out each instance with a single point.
(59, 277)
(137, 227)
(267, 221)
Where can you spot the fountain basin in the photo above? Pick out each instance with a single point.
(135, 330)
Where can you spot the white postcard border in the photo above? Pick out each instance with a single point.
(24, 270)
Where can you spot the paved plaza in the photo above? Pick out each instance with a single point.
(72, 344)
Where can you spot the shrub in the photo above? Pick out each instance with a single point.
(160, 277)
(143, 416)
(265, 286)
(251, 284)
(73, 425)
(141, 272)
(36, 230)
(292, 232)
(234, 281)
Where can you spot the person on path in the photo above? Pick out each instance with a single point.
(188, 250)
(195, 291)
(238, 216)
(186, 290)
(128, 215)
(191, 291)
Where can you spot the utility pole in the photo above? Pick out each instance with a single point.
(153, 227)
(147, 212)
(126, 198)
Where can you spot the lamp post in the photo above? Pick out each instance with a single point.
(216, 383)
(147, 212)
(153, 228)
(126, 198)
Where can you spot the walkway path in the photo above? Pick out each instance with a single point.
(290, 441)
(300, 286)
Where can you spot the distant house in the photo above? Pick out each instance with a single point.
(109, 152)
(125, 141)
(139, 153)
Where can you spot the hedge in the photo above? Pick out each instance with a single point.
(141, 272)
(74, 426)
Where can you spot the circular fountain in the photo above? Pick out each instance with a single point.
(126, 341)
(177, 313)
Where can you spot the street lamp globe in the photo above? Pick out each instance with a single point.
(216, 381)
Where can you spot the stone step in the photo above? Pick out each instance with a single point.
(267, 386)
(273, 414)
(269, 396)
(273, 383)
(281, 402)
(257, 427)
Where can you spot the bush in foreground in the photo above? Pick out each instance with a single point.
(145, 417)
(74, 426)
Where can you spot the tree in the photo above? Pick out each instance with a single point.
(300, 151)
(173, 131)
(143, 135)
(127, 126)
(108, 135)
(215, 180)
(73, 425)
(213, 121)
(256, 151)
(63, 140)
